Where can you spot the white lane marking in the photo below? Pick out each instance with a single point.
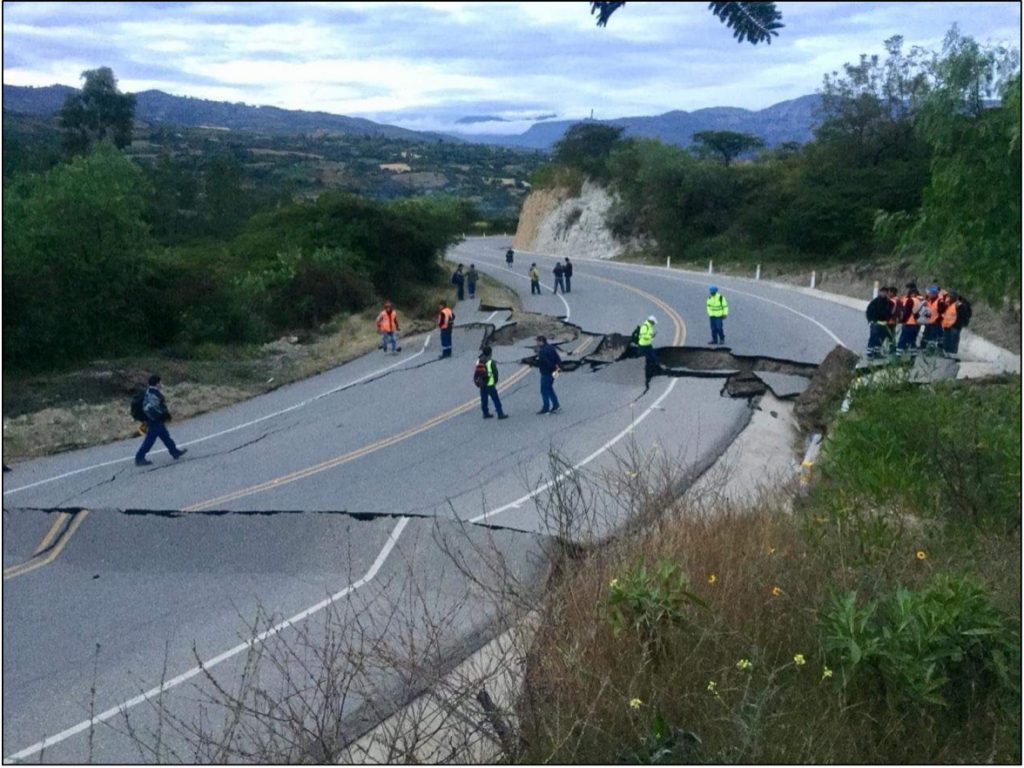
(290, 408)
(491, 316)
(518, 502)
(166, 686)
(568, 311)
(673, 274)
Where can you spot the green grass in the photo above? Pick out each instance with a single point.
(875, 622)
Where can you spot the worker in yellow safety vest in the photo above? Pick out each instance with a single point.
(718, 310)
(645, 343)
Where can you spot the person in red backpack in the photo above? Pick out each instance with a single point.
(387, 324)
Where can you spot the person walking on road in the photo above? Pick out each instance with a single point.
(534, 279)
(877, 313)
(645, 343)
(509, 257)
(559, 271)
(387, 324)
(718, 310)
(445, 321)
(550, 365)
(155, 409)
(488, 384)
(471, 277)
(567, 271)
(458, 280)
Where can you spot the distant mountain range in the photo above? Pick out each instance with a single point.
(159, 107)
(792, 120)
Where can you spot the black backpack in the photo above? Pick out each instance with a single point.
(136, 408)
(480, 374)
(635, 338)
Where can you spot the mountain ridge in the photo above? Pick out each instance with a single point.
(786, 121)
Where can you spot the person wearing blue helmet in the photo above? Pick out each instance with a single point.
(718, 310)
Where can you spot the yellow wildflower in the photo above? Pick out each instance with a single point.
(614, 583)
(826, 672)
(799, 660)
(744, 664)
(776, 591)
(922, 555)
(713, 687)
(712, 578)
(635, 703)
(771, 550)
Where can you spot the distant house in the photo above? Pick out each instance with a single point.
(396, 167)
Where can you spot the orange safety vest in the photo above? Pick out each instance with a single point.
(949, 315)
(908, 309)
(933, 305)
(387, 322)
(444, 319)
(893, 316)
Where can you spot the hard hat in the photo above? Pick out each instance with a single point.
(712, 289)
(653, 319)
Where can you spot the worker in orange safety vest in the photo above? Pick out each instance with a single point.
(445, 321)
(387, 324)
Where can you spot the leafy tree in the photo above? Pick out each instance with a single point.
(72, 267)
(99, 112)
(727, 145)
(969, 224)
(587, 146)
(755, 22)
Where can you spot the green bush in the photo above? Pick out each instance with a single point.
(950, 452)
(930, 649)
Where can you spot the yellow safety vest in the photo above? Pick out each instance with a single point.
(717, 306)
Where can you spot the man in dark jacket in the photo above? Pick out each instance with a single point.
(567, 272)
(155, 408)
(549, 364)
(559, 271)
(878, 313)
(458, 280)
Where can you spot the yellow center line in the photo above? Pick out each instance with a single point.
(352, 455)
(677, 320)
(39, 562)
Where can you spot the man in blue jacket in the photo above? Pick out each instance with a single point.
(155, 408)
(549, 364)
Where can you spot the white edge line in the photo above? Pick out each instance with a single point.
(173, 682)
(518, 502)
(304, 403)
(676, 273)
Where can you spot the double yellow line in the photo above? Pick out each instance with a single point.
(680, 335)
(67, 523)
(53, 543)
(337, 461)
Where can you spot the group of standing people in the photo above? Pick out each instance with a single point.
(941, 314)
(562, 273)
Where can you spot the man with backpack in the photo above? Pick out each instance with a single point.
(152, 407)
(387, 324)
(485, 376)
(567, 271)
(509, 256)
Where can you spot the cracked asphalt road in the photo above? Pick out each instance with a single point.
(140, 598)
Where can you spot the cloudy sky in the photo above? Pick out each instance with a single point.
(427, 65)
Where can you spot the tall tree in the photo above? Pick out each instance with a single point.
(586, 146)
(969, 225)
(99, 112)
(727, 145)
